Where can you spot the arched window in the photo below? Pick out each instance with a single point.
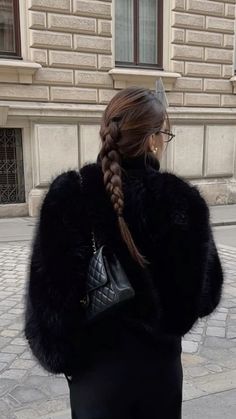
(10, 29)
(139, 33)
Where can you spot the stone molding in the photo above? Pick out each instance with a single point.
(18, 71)
(203, 115)
(14, 210)
(86, 113)
(125, 77)
(3, 115)
(34, 111)
(233, 80)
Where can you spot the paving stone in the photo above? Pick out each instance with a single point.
(189, 347)
(16, 326)
(19, 341)
(198, 371)
(2, 366)
(218, 343)
(12, 402)
(9, 333)
(214, 368)
(222, 357)
(37, 370)
(231, 332)
(56, 385)
(13, 349)
(26, 414)
(16, 311)
(229, 304)
(23, 364)
(5, 411)
(7, 357)
(61, 415)
(192, 360)
(4, 322)
(216, 323)
(197, 329)
(193, 337)
(190, 391)
(217, 382)
(3, 341)
(52, 407)
(27, 355)
(6, 385)
(219, 316)
(27, 394)
(35, 381)
(13, 374)
(215, 331)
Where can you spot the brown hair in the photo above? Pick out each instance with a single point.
(129, 119)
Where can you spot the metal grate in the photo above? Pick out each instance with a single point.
(12, 188)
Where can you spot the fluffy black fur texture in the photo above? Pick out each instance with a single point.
(169, 221)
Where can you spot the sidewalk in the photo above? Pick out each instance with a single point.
(22, 229)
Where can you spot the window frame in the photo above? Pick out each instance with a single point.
(136, 63)
(17, 35)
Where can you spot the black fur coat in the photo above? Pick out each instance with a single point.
(169, 222)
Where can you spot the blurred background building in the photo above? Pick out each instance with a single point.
(61, 61)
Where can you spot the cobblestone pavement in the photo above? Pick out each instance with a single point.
(28, 392)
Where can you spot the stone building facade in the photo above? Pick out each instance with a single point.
(54, 89)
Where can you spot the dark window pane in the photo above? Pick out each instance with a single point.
(124, 31)
(148, 36)
(7, 30)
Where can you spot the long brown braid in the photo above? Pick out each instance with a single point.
(121, 121)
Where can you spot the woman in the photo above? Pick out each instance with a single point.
(128, 364)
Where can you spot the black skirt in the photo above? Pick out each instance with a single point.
(128, 375)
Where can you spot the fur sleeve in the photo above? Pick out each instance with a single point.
(57, 276)
(212, 274)
(213, 280)
(196, 264)
(190, 276)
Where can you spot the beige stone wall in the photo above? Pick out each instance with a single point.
(58, 92)
(203, 40)
(72, 40)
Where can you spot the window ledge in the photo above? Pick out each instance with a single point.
(126, 77)
(17, 71)
(233, 80)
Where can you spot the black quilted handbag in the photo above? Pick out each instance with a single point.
(108, 286)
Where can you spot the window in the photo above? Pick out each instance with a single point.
(139, 33)
(9, 29)
(12, 188)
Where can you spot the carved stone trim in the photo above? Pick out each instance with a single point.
(125, 77)
(17, 71)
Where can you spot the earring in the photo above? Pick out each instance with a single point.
(155, 150)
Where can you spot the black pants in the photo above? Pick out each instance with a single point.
(135, 380)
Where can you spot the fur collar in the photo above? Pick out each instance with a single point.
(141, 162)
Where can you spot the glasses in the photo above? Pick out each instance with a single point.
(170, 134)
